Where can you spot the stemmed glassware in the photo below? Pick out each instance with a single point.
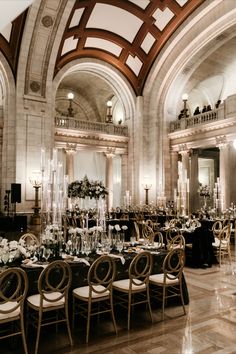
(47, 253)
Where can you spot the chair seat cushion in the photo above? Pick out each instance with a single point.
(125, 283)
(35, 300)
(9, 306)
(224, 243)
(159, 279)
(83, 292)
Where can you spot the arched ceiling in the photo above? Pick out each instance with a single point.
(127, 34)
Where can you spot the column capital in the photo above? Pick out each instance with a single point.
(110, 152)
(183, 149)
(71, 148)
(221, 141)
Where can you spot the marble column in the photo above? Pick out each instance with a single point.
(174, 172)
(110, 153)
(70, 152)
(193, 181)
(224, 172)
(125, 185)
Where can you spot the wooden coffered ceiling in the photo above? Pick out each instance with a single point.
(126, 34)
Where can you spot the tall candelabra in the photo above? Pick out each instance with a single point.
(54, 189)
(182, 195)
(217, 197)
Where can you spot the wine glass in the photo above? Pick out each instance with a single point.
(47, 253)
(5, 258)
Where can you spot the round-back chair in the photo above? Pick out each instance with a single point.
(13, 290)
(100, 277)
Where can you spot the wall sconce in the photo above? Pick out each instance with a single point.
(109, 114)
(185, 110)
(70, 97)
(36, 181)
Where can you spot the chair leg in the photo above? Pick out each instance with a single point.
(149, 304)
(88, 320)
(163, 302)
(23, 334)
(68, 323)
(182, 297)
(129, 310)
(112, 313)
(38, 331)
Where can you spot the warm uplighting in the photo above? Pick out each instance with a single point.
(36, 181)
(70, 97)
(146, 186)
(185, 110)
(185, 97)
(109, 114)
(234, 143)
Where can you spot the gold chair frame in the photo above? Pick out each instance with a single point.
(170, 281)
(12, 300)
(222, 243)
(158, 237)
(176, 241)
(136, 284)
(52, 296)
(29, 238)
(98, 291)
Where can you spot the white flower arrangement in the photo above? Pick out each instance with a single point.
(124, 227)
(13, 250)
(117, 227)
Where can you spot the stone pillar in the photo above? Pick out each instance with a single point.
(185, 158)
(183, 189)
(125, 183)
(224, 171)
(193, 181)
(70, 152)
(174, 172)
(109, 176)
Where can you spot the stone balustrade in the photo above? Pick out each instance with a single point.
(105, 128)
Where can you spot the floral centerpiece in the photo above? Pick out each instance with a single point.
(86, 188)
(204, 191)
(12, 252)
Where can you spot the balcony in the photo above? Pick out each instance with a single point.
(194, 121)
(70, 123)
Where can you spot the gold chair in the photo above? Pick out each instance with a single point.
(97, 297)
(222, 244)
(216, 228)
(30, 239)
(137, 231)
(169, 283)
(135, 289)
(158, 240)
(175, 241)
(53, 287)
(13, 290)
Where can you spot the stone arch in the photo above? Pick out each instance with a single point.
(8, 127)
(169, 77)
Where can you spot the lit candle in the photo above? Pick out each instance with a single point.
(43, 159)
(187, 185)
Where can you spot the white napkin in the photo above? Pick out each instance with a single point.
(81, 260)
(117, 256)
(31, 264)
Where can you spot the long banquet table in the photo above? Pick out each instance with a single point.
(80, 271)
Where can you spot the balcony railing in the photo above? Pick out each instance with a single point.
(191, 122)
(76, 124)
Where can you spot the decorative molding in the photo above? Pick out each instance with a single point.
(47, 21)
(221, 141)
(34, 86)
